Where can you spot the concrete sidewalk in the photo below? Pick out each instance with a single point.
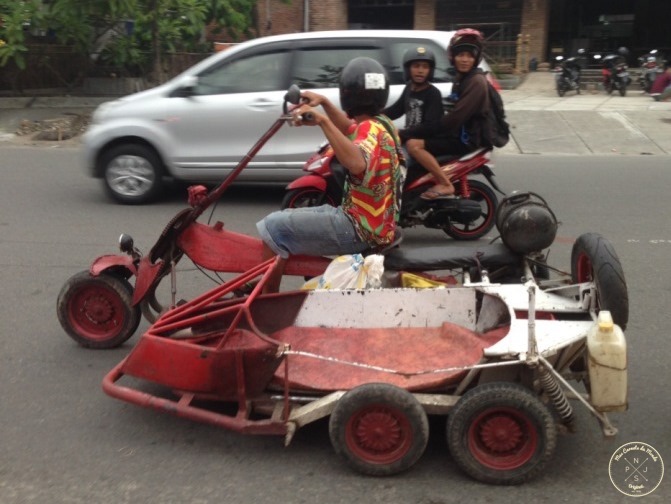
(592, 122)
(542, 122)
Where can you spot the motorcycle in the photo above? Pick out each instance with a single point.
(99, 308)
(615, 74)
(650, 67)
(467, 217)
(567, 75)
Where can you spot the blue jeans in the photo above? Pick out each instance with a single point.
(323, 230)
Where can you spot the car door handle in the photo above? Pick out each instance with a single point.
(264, 104)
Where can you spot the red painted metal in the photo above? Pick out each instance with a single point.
(217, 249)
(379, 434)
(106, 262)
(412, 352)
(502, 438)
(146, 274)
(96, 311)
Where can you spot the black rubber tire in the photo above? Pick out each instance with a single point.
(379, 429)
(132, 174)
(484, 194)
(593, 258)
(501, 433)
(97, 312)
(623, 90)
(560, 90)
(305, 197)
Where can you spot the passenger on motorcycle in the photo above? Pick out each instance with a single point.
(420, 100)
(367, 144)
(462, 130)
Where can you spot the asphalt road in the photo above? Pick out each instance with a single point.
(63, 441)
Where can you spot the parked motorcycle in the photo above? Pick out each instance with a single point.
(567, 75)
(467, 217)
(651, 66)
(615, 72)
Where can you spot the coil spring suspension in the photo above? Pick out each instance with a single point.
(558, 398)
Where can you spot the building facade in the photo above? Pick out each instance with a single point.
(545, 27)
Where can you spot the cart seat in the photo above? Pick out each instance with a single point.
(495, 255)
(414, 358)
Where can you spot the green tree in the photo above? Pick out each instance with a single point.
(128, 34)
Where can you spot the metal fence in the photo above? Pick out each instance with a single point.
(50, 66)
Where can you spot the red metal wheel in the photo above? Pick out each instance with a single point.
(502, 438)
(97, 312)
(501, 433)
(379, 429)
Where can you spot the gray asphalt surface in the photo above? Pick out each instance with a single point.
(542, 122)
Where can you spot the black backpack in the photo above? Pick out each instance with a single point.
(499, 129)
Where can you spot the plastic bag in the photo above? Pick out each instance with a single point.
(350, 272)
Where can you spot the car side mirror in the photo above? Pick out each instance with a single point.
(187, 87)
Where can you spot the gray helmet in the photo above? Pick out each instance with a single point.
(364, 87)
(418, 54)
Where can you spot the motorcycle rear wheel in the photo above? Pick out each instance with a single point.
(623, 90)
(483, 194)
(306, 197)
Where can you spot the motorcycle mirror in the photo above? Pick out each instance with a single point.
(293, 95)
(126, 243)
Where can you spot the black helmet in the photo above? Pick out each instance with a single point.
(466, 39)
(364, 87)
(418, 54)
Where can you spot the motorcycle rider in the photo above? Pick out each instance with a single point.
(420, 100)
(463, 129)
(574, 66)
(367, 144)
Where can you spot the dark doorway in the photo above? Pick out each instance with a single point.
(381, 14)
(601, 26)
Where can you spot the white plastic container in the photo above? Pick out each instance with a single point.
(607, 350)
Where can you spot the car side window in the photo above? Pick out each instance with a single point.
(400, 46)
(247, 74)
(320, 67)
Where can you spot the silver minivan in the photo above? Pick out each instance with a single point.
(199, 125)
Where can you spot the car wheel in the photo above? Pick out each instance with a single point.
(132, 174)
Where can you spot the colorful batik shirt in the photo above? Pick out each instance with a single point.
(372, 198)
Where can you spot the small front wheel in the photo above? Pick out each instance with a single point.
(501, 433)
(379, 429)
(97, 311)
